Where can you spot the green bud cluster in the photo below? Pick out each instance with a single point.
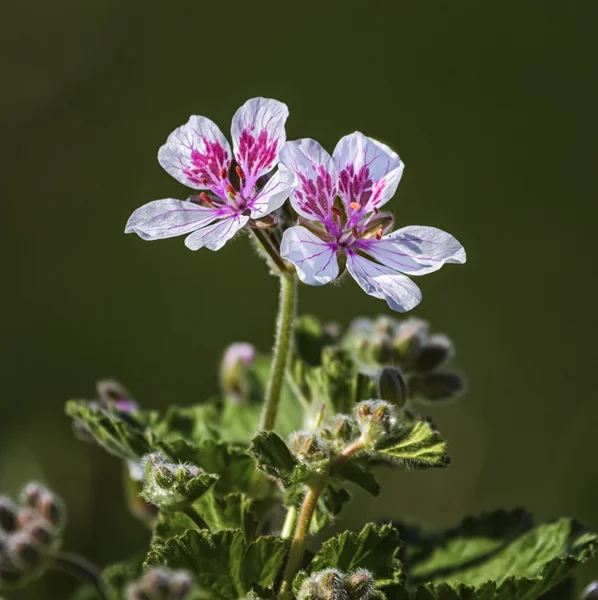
(308, 447)
(173, 486)
(332, 584)
(161, 584)
(376, 420)
(30, 533)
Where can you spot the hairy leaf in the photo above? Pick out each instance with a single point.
(233, 511)
(273, 456)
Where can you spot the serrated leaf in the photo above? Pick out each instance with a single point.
(263, 562)
(417, 445)
(169, 525)
(500, 556)
(233, 511)
(374, 548)
(357, 473)
(119, 433)
(273, 456)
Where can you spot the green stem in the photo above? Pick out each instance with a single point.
(266, 241)
(81, 569)
(282, 345)
(289, 523)
(305, 516)
(195, 517)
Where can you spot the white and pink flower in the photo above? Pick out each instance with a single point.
(198, 155)
(338, 200)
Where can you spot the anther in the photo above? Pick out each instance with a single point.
(206, 199)
(240, 172)
(231, 190)
(203, 181)
(354, 232)
(355, 205)
(379, 234)
(337, 211)
(223, 173)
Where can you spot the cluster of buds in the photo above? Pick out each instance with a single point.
(233, 371)
(173, 486)
(161, 584)
(308, 447)
(340, 431)
(376, 420)
(331, 584)
(417, 358)
(30, 533)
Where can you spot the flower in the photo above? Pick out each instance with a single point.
(198, 155)
(338, 200)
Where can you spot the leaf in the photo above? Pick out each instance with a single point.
(310, 339)
(330, 504)
(233, 511)
(170, 525)
(501, 556)
(417, 445)
(224, 566)
(357, 473)
(117, 432)
(375, 548)
(273, 456)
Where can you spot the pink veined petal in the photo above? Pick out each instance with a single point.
(400, 293)
(258, 134)
(314, 259)
(369, 173)
(274, 193)
(314, 195)
(168, 218)
(198, 155)
(214, 236)
(415, 250)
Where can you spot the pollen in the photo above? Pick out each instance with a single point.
(240, 172)
(355, 205)
(379, 234)
(223, 173)
(206, 199)
(231, 190)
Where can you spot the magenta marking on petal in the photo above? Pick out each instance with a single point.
(357, 186)
(315, 196)
(256, 155)
(207, 166)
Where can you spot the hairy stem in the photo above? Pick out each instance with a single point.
(81, 569)
(195, 517)
(282, 345)
(305, 516)
(269, 246)
(289, 523)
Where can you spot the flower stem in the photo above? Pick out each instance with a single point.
(266, 242)
(289, 523)
(81, 569)
(195, 517)
(284, 336)
(305, 516)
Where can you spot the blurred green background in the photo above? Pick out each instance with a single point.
(492, 106)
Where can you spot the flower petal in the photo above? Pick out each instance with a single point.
(415, 250)
(400, 293)
(258, 134)
(198, 155)
(168, 218)
(214, 236)
(274, 193)
(314, 259)
(369, 172)
(314, 196)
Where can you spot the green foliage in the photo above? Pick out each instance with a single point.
(224, 565)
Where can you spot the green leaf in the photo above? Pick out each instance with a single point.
(224, 566)
(375, 548)
(357, 473)
(233, 511)
(416, 446)
(310, 339)
(119, 433)
(500, 556)
(273, 456)
(330, 504)
(169, 525)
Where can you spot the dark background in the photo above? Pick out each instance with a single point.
(492, 106)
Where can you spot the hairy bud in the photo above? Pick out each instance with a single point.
(8, 514)
(237, 357)
(410, 338)
(590, 592)
(41, 533)
(112, 394)
(436, 386)
(22, 551)
(324, 585)
(392, 386)
(359, 585)
(436, 352)
(161, 584)
(376, 418)
(308, 447)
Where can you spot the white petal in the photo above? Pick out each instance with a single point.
(168, 218)
(258, 134)
(314, 259)
(196, 153)
(416, 250)
(369, 171)
(314, 196)
(400, 293)
(214, 236)
(274, 193)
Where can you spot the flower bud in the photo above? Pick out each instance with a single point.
(392, 386)
(112, 394)
(10, 576)
(376, 418)
(22, 552)
(31, 494)
(590, 592)
(51, 508)
(359, 585)
(436, 386)
(437, 351)
(308, 447)
(41, 533)
(324, 585)
(237, 357)
(8, 514)
(410, 339)
(161, 584)
(180, 585)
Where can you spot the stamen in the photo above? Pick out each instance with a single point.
(355, 205)
(231, 190)
(379, 234)
(354, 232)
(203, 181)
(376, 211)
(223, 173)
(337, 211)
(206, 199)
(240, 172)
